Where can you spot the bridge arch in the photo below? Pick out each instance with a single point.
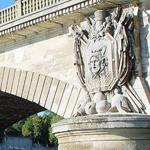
(38, 92)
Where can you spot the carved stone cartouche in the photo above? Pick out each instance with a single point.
(104, 59)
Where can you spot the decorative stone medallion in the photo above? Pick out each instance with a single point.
(101, 64)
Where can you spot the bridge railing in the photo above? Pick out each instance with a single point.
(29, 6)
(24, 7)
(8, 14)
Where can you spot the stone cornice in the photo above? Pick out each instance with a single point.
(51, 13)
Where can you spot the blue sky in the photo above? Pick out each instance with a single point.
(6, 3)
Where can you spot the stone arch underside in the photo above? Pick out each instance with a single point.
(23, 93)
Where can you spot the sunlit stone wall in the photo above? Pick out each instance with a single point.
(49, 53)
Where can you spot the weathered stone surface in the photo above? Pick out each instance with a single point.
(16, 82)
(51, 94)
(33, 86)
(65, 98)
(27, 85)
(39, 89)
(21, 83)
(72, 102)
(45, 91)
(46, 49)
(58, 96)
(10, 80)
(104, 132)
(5, 79)
(43, 55)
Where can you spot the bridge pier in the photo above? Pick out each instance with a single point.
(104, 132)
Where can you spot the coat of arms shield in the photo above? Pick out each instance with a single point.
(101, 64)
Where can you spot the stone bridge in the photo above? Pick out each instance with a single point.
(36, 54)
(24, 93)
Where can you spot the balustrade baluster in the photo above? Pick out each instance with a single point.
(28, 6)
(37, 6)
(23, 8)
(45, 3)
(7, 14)
(33, 5)
(14, 14)
(48, 2)
(41, 3)
(0, 17)
(11, 13)
(4, 16)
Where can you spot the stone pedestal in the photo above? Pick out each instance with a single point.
(104, 132)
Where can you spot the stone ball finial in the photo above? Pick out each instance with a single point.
(101, 102)
(99, 96)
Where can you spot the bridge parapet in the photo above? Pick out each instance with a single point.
(24, 7)
(36, 5)
(8, 14)
(27, 13)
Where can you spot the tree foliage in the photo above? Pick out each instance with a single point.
(15, 129)
(38, 127)
(27, 128)
(52, 138)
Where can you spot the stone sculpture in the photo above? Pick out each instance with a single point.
(104, 59)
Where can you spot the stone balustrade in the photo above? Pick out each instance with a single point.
(25, 7)
(26, 13)
(29, 6)
(8, 14)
